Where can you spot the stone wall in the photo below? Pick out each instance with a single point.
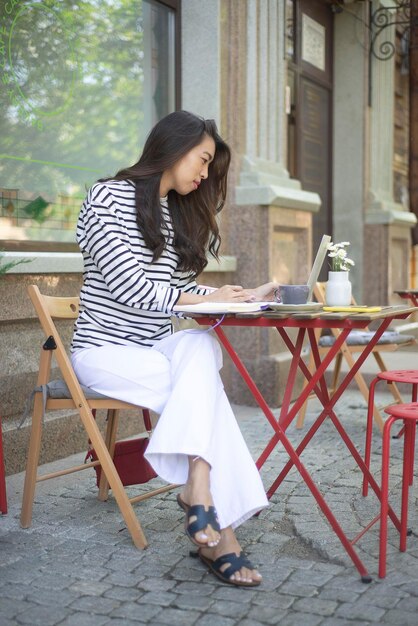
(21, 339)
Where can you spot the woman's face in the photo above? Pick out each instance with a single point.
(186, 175)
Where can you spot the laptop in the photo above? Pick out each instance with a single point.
(317, 264)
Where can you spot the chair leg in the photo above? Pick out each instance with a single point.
(402, 430)
(119, 493)
(384, 504)
(3, 493)
(336, 373)
(369, 433)
(32, 463)
(408, 451)
(302, 412)
(110, 440)
(365, 391)
(412, 454)
(411, 475)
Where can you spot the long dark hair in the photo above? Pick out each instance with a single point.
(194, 215)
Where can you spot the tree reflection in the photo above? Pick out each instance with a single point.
(72, 95)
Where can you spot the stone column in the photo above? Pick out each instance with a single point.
(387, 223)
(268, 226)
(349, 158)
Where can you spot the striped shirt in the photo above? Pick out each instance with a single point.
(126, 298)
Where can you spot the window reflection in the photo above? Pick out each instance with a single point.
(81, 86)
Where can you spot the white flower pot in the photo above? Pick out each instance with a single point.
(338, 289)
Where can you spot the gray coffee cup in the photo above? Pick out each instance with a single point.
(292, 294)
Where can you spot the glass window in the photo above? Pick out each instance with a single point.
(81, 85)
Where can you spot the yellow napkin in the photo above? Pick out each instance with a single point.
(353, 309)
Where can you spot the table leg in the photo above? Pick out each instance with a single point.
(294, 458)
(313, 380)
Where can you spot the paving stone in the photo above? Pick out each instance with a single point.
(250, 622)
(152, 569)
(299, 619)
(266, 614)
(310, 577)
(137, 612)
(339, 595)
(123, 593)
(121, 621)
(236, 610)
(90, 573)
(192, 588)
(84, 619)
(200, 603)
(49, 581)
(178, 616)
(10, 608)
(95, 604)
(121, 565)
(211, 619)
(316, 606)
(156, 584)
(160, 598)
(90, 587)
(14, 591)
(42, 616)
(19, 573)
(362, 612)
(399, 617)
(336, 621)
(185, 574)
(295, 589)
(51, 597)
(275, 600)
(224, 592)
(124, 579)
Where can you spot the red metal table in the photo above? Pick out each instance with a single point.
(409, 294)
(305, 325)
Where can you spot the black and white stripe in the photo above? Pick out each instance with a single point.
(126, 298)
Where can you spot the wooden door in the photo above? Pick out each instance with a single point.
(310, 114)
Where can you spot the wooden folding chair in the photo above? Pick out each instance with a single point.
(49, 308)
(347, 350)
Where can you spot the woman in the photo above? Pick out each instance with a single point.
(144, 236)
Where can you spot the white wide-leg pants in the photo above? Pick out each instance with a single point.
(179, 379)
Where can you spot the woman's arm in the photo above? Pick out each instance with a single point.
(227, 293)
(102, 234)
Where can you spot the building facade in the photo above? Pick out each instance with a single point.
(316, 121)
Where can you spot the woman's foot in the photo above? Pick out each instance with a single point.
(228, 544)
(196, 492)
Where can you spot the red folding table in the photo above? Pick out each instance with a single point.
(305, 325)
(409, 294)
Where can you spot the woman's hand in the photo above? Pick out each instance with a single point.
(230, 293)
(264, 293)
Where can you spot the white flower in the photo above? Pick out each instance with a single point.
(338, 255)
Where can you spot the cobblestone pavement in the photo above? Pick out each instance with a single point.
(76, 565)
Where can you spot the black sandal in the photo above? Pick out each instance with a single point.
(203, 519)
(235, 564)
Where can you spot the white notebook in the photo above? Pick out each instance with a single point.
(221, 307)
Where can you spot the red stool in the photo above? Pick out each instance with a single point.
(408, 413)
(3, 496)
(391, 376)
